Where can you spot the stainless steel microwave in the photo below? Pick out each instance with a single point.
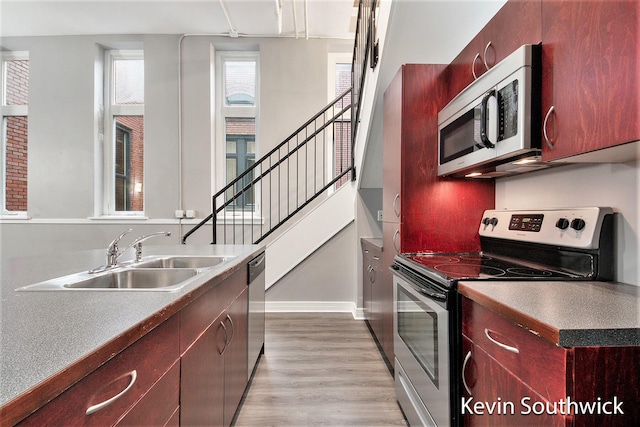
(492, 128)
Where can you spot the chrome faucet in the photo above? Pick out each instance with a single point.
(112, 250)
(137, 243)
(113, 254)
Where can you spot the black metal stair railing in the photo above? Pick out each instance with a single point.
(286, 179)
(315, 158)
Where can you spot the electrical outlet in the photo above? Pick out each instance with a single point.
(179, 213)
(190, 213)
(379, 215)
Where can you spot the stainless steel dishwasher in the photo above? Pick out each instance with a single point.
(256, 284)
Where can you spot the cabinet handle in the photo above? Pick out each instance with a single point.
(372, 275)
(544, 128)
(395, 205)
(499, 344)
(473, 66)
(464, 368)
(233, 328)
(484, 58)
(395, 243)
(226, 338)
(96, 408)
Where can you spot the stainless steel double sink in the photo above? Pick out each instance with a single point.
(155, 273)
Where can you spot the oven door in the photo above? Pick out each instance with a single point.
(421, 345)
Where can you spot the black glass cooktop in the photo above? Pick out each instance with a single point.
(481, 266)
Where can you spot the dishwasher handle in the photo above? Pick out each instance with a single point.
(256, 267)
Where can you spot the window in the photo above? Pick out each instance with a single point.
(14, 108)
(237, 104)
(124, 133)
(340, 143)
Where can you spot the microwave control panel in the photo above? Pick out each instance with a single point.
(508, 107)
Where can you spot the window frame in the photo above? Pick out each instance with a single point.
(9, 111)
(112, 110)
(334, 58)
(219, 140)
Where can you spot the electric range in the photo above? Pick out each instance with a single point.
(516, 245)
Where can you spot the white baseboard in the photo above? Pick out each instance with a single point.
(314, 307)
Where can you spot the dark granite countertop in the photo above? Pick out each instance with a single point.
(47, 333)
(569, 314)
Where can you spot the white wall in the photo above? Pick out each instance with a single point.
(62, 131)
(616, 185)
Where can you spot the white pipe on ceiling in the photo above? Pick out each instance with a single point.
(306, 20)
(295, 19)
(279, 15)
(232, 28)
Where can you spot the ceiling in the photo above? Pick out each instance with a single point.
(243, 18)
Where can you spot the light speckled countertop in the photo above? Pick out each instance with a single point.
(43, 333)
(569, 314)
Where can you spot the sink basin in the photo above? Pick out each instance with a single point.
(182, 262)
(168, 279)
(124, 279)
(154, 273)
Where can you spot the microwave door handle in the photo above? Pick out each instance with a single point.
(483, 120)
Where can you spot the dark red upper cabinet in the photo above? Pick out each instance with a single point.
(518, 22)
(435, 214)
(591, 75)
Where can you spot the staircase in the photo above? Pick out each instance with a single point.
(303, 186)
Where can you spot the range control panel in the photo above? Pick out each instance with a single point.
(570, 227)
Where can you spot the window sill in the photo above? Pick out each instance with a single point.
(16, 215)
(120, 217)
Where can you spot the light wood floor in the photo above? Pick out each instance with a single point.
(320, 369)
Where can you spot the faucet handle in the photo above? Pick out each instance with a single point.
(114, 243)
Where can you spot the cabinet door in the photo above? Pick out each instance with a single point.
(367, 267)
(202, 378)
(497, 395)
(130, 377)
(391, 162)
(235, 356)
(377, 294)
(515, 24)
(590, 74)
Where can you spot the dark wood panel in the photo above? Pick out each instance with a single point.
(438, 214)
(608, 374)
(540, 364)
(198, 315)
(202, 380)
(590, 74)
(235, 356)
(499, 395)
(159, 405)
(518, 22)
(151, 357)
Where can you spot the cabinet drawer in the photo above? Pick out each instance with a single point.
(150, 357)
(158, 406)
(534, 360)
(498, 393)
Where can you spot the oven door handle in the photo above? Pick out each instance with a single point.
(437, 296)
(433, 295)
